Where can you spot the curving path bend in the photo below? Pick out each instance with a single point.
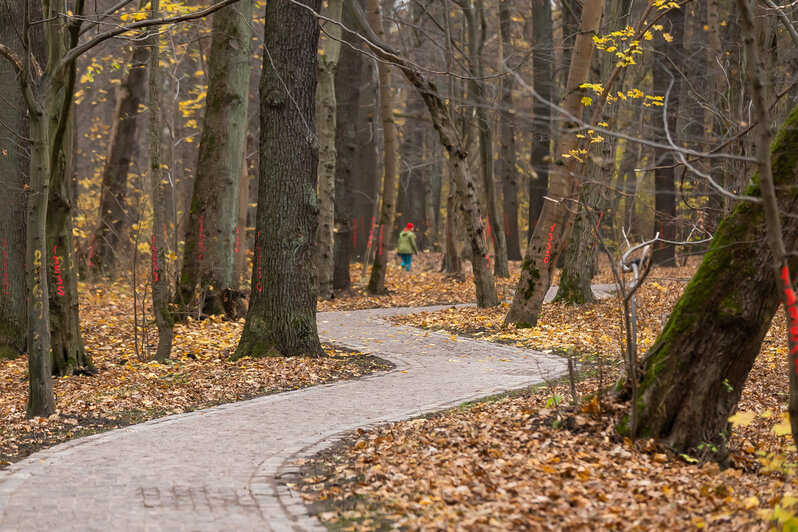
(231, 467)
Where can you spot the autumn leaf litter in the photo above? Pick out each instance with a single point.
(535, 462)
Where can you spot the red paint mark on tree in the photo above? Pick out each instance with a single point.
(201, 239)
(91, 248)
(5, 269)
(371, 236)
(380, 247)
(154, 260)
(792, 314)
(59, 281)
(238, 239)
(548, 244)
(507, 225)
(595, 233)
(258, 269)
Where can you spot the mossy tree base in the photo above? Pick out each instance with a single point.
(692, 378)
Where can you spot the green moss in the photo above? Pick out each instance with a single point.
(523, 325)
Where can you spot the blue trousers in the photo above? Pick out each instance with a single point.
(407, 259)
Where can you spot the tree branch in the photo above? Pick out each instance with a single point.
(76, 52)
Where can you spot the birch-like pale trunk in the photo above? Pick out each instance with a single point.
(326, 120)
(384, 227)
(159, 177)
(556, 218)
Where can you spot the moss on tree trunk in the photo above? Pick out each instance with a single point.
(692, 378)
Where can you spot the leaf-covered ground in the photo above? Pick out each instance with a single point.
(535, 462)
(423, 286)
(127, 390)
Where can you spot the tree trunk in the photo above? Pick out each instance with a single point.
(667, 84)
(554, 225)
(384, 228)
(210, 237)
(282, 312)
(111, 231)
(239, 267)
(542, 68)
(326, 123)
(158, 175)
(348, 80)
(693, 375)
(581, 261)
(506, 162)
(14, 163)
(67, 350)
(476, 87)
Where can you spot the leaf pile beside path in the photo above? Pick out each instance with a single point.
(533, 463)
(128, 390)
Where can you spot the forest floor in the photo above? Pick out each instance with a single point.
(128, 389)
(534, 461)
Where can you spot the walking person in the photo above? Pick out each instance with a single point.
(407, 246)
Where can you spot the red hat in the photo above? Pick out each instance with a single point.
(409, 227)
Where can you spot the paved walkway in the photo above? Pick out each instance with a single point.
(231, 467)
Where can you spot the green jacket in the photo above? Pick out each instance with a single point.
(407, 243)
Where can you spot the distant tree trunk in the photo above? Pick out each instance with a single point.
(241, 227)
(452, 264)
(632, 152)
(14, 162)
(667, 83)
(554, 226)
(348, 80)
(210, 238)
(326, 122)
(281, 320)
(542, 68)
(506, 162)
(158, 175)
(384, 227)
(692, 377)
(581, 261)
(111, 231)
(410, 202)
(476, 87)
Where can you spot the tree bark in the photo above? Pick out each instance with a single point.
(692, 377)
(542, 68)
(281, 320)
(348, 80)
(66, 341)
(384, 227)
(506, 162)
(326, 117)
(164, 318)
(110, 233)
(14, 171)
(210, 237)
